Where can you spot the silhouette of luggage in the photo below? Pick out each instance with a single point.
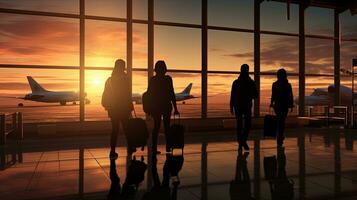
(176, 135)
(270, 126)
(147, 103)
(136, 133)
(107, 94)
(282, 188)
(270, 167)
(134, 176)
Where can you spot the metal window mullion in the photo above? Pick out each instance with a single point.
(150, 39)
(129, 42)
(204, 59)
(81, 60)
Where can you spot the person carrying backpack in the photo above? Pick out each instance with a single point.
(117, 101)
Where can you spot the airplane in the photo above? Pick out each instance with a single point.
(181, 96)
(39, 94)
(322, 96)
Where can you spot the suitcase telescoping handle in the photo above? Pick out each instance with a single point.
(134, 111)
(179, 118)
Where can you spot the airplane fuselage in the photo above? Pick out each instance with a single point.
(53, 97)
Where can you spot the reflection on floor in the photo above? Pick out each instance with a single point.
(311, 166)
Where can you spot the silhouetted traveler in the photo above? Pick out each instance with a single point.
(242, 94)
(117, 101)
(281, 100)
(240, 188)
(162, 96)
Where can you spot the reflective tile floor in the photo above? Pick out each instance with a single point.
(314, 164)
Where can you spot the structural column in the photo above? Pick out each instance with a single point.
(337, 44)
(204, 61)
(257, 54)
(302, 9)
(81, 59)
(129, 41)
(150, 38)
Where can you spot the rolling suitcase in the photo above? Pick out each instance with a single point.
(270, 126)
(176, 135)
(136, 133)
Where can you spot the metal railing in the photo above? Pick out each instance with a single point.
(11, 124)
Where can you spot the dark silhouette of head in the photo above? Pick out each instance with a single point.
(282, 75)
(244, 70)
(160, 68)
(119, 67)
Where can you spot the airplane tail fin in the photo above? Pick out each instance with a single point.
(187, 90)
(35, 87)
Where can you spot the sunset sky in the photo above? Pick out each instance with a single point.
(38, 40)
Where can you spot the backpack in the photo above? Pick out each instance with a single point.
(107, 94)
(147, 102)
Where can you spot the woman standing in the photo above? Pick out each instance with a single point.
(162, 98)
(117, 101)
(281, 100)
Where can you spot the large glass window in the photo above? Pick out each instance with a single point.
(279, 52)
(227, 51)
(274, 17)
(319, 21)
(179, 47)
(60, 6)
(231, 13)
(183, 11)
(219, 91)
(140, 9)
(38, 40)
(105, 42)
(140, 46)
(319, 56)
(106, 8)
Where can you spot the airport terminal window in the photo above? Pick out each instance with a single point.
(348, 52)
(278, 52)
(320, 21)
(219, 91)
(106, 8)
(227, 51)
(231, 13)
(348, 24)
(104, 43)
(15, 86)
(185, 53)
(274, 17)
(179, 11)
(188, 96)
(265, 91)
(319, 56)
(140, 9)
(59, 6)
(140, 46)
(38, 40)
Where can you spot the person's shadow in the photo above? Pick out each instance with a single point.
(239, 187)
(134, 176)
(171, 170)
